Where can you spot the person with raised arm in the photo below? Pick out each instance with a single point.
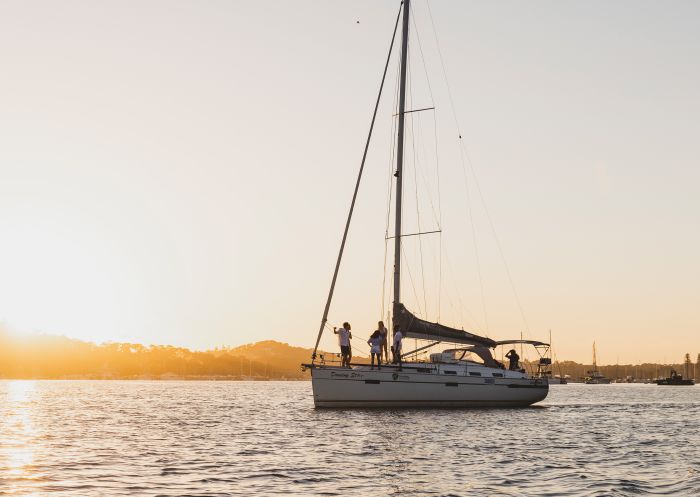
(513, 357)
(344, 337)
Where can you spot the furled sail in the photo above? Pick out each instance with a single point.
(413, 327)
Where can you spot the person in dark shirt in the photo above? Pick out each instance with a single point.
(513, 357)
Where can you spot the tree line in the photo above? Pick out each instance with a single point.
(57, 357)
(53, 357)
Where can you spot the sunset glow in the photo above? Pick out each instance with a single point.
(171, 188)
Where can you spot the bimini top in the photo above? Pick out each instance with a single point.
(413, 327)
(526, 342)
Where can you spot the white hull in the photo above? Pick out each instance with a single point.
(388, 387)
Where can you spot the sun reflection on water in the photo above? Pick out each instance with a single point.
(17, 432)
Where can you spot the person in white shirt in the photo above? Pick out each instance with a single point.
(344, 337)
(375, 342)
(396, 347)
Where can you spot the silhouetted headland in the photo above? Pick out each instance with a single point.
(57, 357)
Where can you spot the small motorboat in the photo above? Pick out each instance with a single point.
(675, 379)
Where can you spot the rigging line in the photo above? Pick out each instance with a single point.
(462, 307)
(422, 56)
(437, 164)
(438, 219)
(454, 115)
(439, 311)
(425, 180)
(415, 188)
(436, 215)
(354, 195)
(498, 244)
(444, 71)
(387, 306)
(386, 250)
(474, 242)
(415, 110)
(432, 98)
(439, 202)
(462, 152)
(459, 133)
(390, 189)
(416, 234)
(410, 277)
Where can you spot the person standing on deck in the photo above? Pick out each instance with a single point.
(396, 347)
(344, 337)
(513, 357)
(375, 342)
(383, 335)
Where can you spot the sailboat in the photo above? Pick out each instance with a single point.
(559, 378)
(595, 377)
(466, 375)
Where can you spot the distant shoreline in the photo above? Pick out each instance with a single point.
(49, 357)
(145, 378)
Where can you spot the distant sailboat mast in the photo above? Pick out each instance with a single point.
(399, 164)
(595, 363)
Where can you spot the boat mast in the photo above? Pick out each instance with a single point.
(595, 365)
(399, 163)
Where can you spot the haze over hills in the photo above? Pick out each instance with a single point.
(55, 357)
(38, 356)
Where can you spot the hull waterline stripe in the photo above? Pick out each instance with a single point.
(428, 402)
(509, 385)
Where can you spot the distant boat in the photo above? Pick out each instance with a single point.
(595, 377)
(675, 379)
(558, 379)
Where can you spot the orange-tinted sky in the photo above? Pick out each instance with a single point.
(179, 172)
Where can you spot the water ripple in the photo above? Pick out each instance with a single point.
(92, 438)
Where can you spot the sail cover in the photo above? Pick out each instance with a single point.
(413, 327)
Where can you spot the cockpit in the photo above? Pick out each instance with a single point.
(475, 354)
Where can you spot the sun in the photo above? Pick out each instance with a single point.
(58, 279)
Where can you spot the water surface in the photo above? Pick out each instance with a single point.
(97, 438)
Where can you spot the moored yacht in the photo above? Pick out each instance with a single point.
(457, 377)
(465, 375)
(595, 377)
(675, 379)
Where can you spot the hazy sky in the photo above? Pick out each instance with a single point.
(179, 172)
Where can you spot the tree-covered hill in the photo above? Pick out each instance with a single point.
(37, 356)
(47, 356)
